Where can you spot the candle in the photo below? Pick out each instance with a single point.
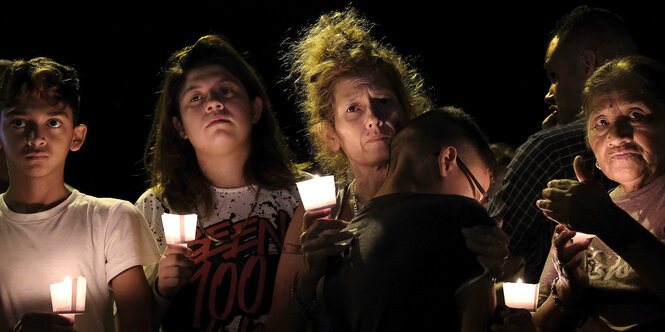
(582, 237)
(520, 295)
(179, 229)
(68, 297)
(317, 193)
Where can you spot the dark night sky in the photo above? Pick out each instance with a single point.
(484, 58)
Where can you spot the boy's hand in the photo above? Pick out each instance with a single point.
(175, 269)
(44, 322)
(491, 245)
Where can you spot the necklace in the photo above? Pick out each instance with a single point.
(244, 224)
(353, 197)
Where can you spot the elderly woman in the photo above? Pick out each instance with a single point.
(615, 280)
(355, 94)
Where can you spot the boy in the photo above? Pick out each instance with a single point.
(49, 230)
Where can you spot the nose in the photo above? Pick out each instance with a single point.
(620, 131)
(214, 102)
(373, 116)
(549, 96)
(35, 137)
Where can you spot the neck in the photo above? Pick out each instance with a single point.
(35, 194)
(401, 180)
(628, 187)
(224, 171)
(368, 180)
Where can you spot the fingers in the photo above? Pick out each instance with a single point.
(581, 171)
(551, 120)
(311, 216)
(177, 249)
(175, 269)
(319, 226)
(44, 322)
(489, 240)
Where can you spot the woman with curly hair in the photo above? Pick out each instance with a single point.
(355, 94)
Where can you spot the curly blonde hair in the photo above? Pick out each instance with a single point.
(337, 45)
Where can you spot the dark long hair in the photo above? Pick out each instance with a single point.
(171, 161)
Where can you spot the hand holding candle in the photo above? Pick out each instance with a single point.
(179, 229)
(317, 193)
(68, 297)
(520, 295)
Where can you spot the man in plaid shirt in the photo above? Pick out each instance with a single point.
(581, 41)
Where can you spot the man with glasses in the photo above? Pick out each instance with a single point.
(408, 268)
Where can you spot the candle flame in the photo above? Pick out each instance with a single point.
(68, 279)
(519, 281)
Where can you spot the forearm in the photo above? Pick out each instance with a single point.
(161, 305)
(133, 298)
(288, 312)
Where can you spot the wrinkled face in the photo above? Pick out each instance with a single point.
(566, 82)
(367, 114)
(36, 137)
(627, 139)
(216, 114)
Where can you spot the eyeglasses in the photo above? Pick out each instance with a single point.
(475, 182)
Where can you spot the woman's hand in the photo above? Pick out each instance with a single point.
(44, 322)
(175, 268)
(579, 205)
(514, 320)
(491, 245)
(568, 259)
(321, 238)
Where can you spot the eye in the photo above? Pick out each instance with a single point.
(195, 99)
(384, 101)
(636, 114)
(601, 122)
(352, 109)
(18, 123)
(54, 123)
(227, 91)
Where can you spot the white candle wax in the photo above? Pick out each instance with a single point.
(519, 295)
(317, 193)
(582, 237)
(69, 296)
(179, 229)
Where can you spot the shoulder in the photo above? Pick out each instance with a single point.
(149, 200)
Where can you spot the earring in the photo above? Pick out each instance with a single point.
(598, 166)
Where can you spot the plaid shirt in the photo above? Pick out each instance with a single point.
(545, 156)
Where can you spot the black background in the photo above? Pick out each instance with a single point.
(484, 57)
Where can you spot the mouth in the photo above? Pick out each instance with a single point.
(379, 138)
(36, 156)
(624, 155)
(217, 121)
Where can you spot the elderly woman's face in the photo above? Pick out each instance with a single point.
(626, 137)
(367, 114)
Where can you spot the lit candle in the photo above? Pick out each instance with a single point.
(179, 229)
(317, 193)
(582, 237)
(68, 297)
(519, 295)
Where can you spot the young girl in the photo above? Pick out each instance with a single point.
(215, 150)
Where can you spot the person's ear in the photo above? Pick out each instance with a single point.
(447, 158)
(329, 136)
(257, 108)
(588, 62)
(178, 127)
(78, 138)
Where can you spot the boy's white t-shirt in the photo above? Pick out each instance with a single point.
(97, 238)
